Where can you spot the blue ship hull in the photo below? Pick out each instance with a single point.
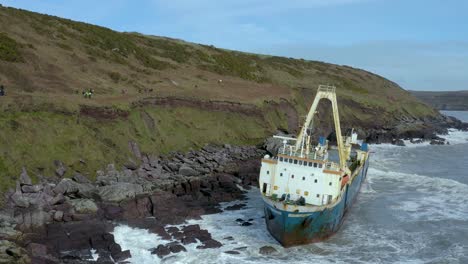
(297, 228)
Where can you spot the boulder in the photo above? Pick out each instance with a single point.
(19, 200)
(267, 250)
(119, 191)
(161, 251)
(24, 177)
(175, 247)
(31, 188)
(84, 206)
(211, 243)
(68, 186)
(80, 178)
(187, 171)
(58, 216)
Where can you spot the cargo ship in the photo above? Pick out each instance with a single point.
(308, 186)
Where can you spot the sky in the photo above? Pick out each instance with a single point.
(419, 44)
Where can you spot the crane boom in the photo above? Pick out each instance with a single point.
(324, 92)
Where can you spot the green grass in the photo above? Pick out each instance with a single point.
(9, 49)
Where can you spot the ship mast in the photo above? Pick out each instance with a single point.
(323, 92)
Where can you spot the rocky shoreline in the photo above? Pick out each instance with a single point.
(59, 220)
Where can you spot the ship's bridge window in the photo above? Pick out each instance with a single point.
(310, 164)
(305, 163)
(300, 162)
(315, 165)
(281, 159)
(295, 161)
(320, 165)
(290, 160)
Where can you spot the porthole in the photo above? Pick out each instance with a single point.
(281, 174)
(318, 195)
(292, 176)
(268, 172)
(303, 178)
(329, 184)
(315, 180)
(306, 193)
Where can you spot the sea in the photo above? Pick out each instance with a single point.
(412, 208)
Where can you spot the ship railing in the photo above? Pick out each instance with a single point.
(332, 166)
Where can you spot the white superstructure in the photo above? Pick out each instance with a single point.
(303, 174)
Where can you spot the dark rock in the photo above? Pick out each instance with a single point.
(188, 240)
(239, 220)
(37, 249)
(230, 238)
(399, 142)
(172, 229)
(161, 251)
(267, 250)
(211, 243)
(246, 224)
(232, 252)
(175, 247)
(235, 207)
(24, 177)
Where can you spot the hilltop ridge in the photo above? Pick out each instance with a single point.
(167, 95)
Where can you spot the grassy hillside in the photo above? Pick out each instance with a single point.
(451, 100)
(163, 93)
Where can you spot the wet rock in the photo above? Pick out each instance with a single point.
(211, 243)
(175, 247)
(239, 220)
(268, 250)
(84, 206)
(119, 191)
(24, 177)
(172, 229)
(399, 142)
(188, 240)
(230, 238)
(235, 207)
(232, 252)
(161, 251)
(437, 142)
(246, 224)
